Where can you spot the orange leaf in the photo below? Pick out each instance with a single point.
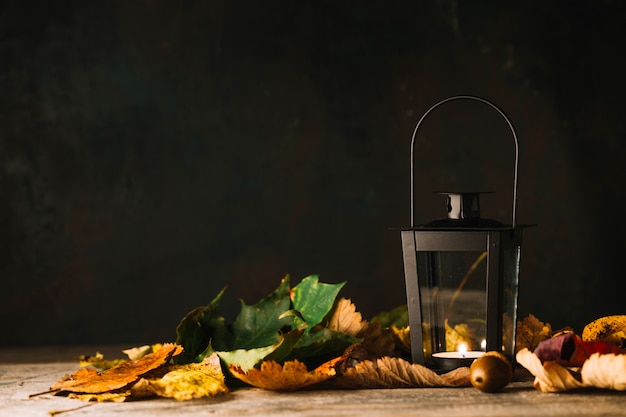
(88, 380)
(291, 376)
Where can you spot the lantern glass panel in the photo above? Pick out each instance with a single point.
(453, 300)
(511, 258)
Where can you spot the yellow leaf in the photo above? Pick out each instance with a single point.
(460, 333)
(116, 397)
(402, 336)
(291, 376)
(610, 329)
(186, 382)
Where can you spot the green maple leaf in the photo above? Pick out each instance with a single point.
(321, 345)
(287, 324)
(249, 358)
(259, 325)
(313, 300)
(397, 316)
(201, 330)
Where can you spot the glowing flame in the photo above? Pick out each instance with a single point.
(483, 344)
(462, 350)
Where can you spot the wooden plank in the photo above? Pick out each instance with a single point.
(19, 380)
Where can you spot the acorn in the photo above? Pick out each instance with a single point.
(491, 372)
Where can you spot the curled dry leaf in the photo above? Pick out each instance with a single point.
(549, 376)
(291, 376)
(606, 371)
(568, 349)
(391, 372)
(88, 380)
(610, 329)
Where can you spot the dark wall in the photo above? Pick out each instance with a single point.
(152, 152)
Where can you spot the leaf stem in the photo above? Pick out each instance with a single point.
(469, 272)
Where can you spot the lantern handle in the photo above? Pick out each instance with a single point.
(467, 97)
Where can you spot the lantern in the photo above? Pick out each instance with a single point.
(461, 276)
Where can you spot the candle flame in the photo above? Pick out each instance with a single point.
(462, 350)
(483, 344)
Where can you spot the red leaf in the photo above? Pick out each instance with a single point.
(568, 349)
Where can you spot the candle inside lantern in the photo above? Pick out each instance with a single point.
(447, 361)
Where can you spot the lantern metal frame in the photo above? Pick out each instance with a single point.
(494, 239)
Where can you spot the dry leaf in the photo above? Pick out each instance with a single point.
(390, 372)
(402, 336)
(116, 397)
(378, 343)
(569, 350)
(88, 380)
(610, 329)
(185, 382)
(605, 371)
(530, 332)
(346, 319)
(98, 361)
(549, 376)
(291, 376)
(460, 333)
(141, 351)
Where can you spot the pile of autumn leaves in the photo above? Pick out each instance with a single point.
(293, 338)
(305, 335)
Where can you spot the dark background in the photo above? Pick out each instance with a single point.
(152, 152)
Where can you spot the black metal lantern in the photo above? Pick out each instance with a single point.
(462, 276)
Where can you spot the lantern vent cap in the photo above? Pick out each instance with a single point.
(464, 211)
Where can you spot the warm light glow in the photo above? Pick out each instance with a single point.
(462, 350)
(483, 344)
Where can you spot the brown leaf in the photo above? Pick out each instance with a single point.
(530, 332)
(390, 372)
(88, 380)
(346, 319)
(380, 343)
(291, 376)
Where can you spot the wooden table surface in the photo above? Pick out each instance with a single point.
(26, 371)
